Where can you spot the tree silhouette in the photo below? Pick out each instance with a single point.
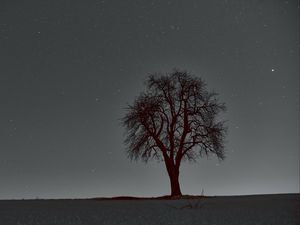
(174, 119)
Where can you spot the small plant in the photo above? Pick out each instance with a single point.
(198, 204)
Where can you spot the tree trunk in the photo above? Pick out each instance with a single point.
(174, 181)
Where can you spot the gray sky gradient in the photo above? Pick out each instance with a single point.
(69, 68)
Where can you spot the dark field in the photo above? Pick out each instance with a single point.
(261, 209)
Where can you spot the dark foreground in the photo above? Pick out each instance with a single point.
(239, 210)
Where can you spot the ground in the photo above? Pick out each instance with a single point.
(233, 210)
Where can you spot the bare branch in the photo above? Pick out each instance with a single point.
(175, 118)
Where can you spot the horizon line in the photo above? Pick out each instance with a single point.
(128, 197)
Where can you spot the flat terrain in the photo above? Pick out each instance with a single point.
(257, 209)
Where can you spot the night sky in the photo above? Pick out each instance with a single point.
(69, 69)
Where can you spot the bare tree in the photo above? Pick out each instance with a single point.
(174, 119)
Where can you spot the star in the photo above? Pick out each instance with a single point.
(272, 70)
(62, 93)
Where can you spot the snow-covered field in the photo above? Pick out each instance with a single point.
(264, 210)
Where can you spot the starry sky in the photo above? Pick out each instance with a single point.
(69, 69)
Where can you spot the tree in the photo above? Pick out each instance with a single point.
(174, 119)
